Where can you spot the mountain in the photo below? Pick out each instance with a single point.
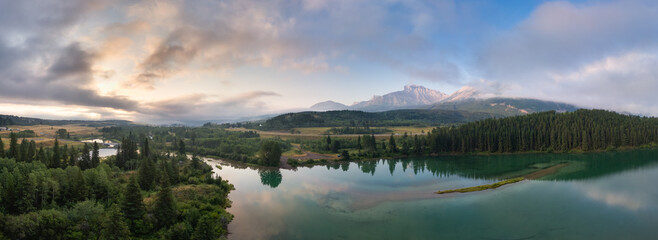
(465, 99)
(328, 106)
(504, 106)
(412, 96)
(464, 93)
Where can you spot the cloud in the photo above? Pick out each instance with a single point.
(594, 54)
(310, 38)
(66, 79)
(204, 107)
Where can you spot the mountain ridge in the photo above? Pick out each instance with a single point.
(466, 98)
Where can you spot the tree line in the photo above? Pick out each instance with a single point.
(583, 130)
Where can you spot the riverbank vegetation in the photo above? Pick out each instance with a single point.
(145, 194)
(579, 131)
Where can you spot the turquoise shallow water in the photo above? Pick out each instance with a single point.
(595, 196)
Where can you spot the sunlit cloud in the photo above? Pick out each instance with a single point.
(148, 59)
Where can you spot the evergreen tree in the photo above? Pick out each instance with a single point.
(120, 161)
(13, 146)
(85, 159)
(115, 228)
(55, 161)
(41, 155)
(270, 153)
(73, 157)
(95, 160)
(145, 149)
(133, 204)
(391, 145)
(181, 147)
(77, 186)
(207, 229)
(31, 151)
(335, 146)
(22, 152)
(165, 206)
(147, 174)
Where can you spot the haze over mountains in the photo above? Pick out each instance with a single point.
(467, 98)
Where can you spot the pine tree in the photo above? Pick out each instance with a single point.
(165, 206)
(133, 204)
(22, 152)
(85, 159)
(181, 147)
(31, 151)
(73, 157)
(95, 160)
(207, 228)
(145, 149)
(54, 162)
(115, 228)
(41, 155)
(13, 146)
(146, 174)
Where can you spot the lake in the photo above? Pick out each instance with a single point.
(594, 196)
(106, 152)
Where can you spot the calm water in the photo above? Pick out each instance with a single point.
(595, 196)
(106, 152)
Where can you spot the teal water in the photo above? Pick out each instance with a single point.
(595, 196)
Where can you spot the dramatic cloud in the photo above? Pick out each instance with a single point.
(217, 59)
(599, 54)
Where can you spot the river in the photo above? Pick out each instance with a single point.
(594, 196)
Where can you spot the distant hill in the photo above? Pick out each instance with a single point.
(504, 106)
(6, 120)
(329, 106)
(408, 117)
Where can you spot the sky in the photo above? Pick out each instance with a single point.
(174, 60)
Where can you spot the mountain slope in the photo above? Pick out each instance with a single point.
(464, 93)
(407, 117)
(328, 106)
(505, 106)
(411, 96)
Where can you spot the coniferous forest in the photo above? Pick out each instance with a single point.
(65, 192)
(584, 130)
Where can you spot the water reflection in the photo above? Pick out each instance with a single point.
(388, 199)
(270, 177)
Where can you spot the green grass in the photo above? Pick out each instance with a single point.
(482, 187)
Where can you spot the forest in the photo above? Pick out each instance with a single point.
(583, 130)
(347, 118)
(579, 131)
(70, 193)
